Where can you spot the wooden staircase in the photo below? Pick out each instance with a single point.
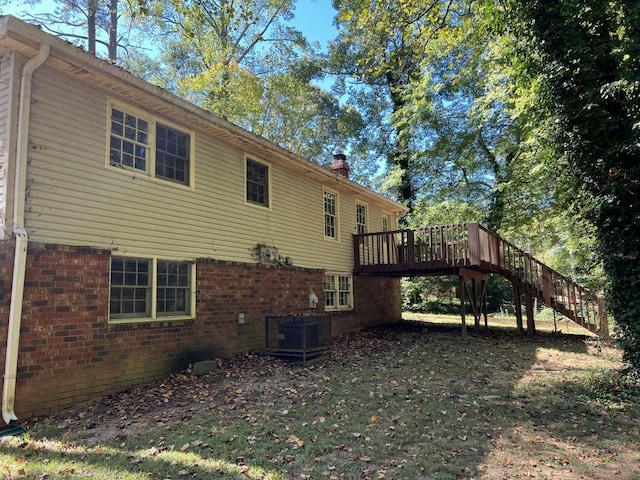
(470, 247)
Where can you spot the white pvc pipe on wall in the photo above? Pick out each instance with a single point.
(21, 236)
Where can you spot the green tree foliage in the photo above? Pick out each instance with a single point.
(588, 54)
(380, 47)
(101, 26)
(243, 62)
(480, 142)
(438, 96)
(213, 49)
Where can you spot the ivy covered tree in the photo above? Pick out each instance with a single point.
(588, 57)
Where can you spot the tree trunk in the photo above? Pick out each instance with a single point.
(92, 6)
(400, 156)
(113, 31)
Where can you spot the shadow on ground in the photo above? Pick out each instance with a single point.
(407, 400)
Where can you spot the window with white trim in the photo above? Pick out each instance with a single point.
(140, 144)
(338, 291)
(130, 287)
(361, 218)
(144, 288)
(387, 224)
(257, 187)
(172, 288)
(172, 154)
(330, 215)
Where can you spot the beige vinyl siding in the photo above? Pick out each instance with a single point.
(7, 79)
(74, 198)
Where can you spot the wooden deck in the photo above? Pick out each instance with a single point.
(469, 249)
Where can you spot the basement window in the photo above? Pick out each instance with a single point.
(338, 291)
(151, 289)
(141, 144)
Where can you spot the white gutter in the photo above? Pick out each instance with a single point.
(20, 233)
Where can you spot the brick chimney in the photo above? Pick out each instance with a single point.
(339, 165)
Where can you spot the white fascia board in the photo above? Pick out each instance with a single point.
(26, 38)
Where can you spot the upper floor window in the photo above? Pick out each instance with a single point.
(141, 144)
(172, 154)
(257, 182)
(129, 141)
(361, 218)
(330, 215)
(388, 222)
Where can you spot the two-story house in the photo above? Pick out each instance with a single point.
(137, 227)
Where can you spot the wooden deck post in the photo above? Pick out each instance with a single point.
(531, 323)
(476, 308)
(478, 305)
(483, 287)
(517, 305)
(462, 286)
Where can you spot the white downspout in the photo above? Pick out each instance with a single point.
(20, 233)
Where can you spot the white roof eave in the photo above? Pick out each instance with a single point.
(26, 38)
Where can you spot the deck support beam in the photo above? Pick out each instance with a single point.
(531, 322)
(462, 288)
(517, 305)
(470, 290)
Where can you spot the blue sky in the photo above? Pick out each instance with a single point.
(315, 19)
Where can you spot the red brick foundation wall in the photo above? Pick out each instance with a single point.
(69, 352)
(226, 289)
(377, 300)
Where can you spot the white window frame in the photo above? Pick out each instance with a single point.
(247, 159)
(362, 223)
(153, 315)
(336, 216)
(387, 222)
(338, 281)
(150, 171)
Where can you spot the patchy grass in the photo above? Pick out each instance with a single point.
(544, 323)
(406, 401)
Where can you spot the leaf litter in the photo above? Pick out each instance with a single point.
(396, 401)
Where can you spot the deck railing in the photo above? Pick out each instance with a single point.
(554, 289)
(427, 247)
(443, 248)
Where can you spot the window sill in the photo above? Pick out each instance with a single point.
(257, 205)
(339, 310)
(139, 321)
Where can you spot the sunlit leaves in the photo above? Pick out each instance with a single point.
(380, 47)
(587, 56)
